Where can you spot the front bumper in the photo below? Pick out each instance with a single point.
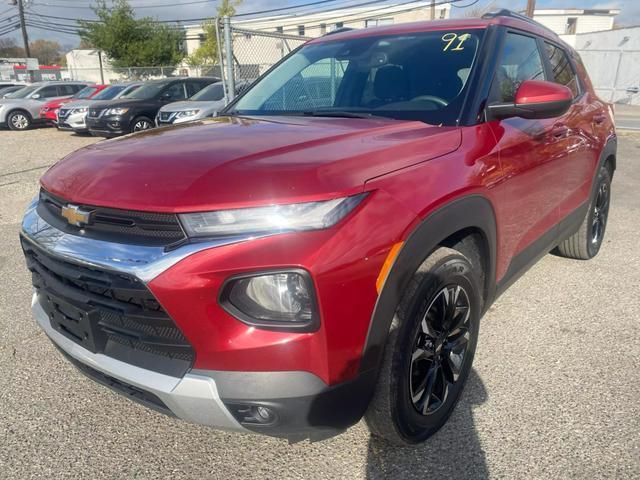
(303, 405)
(193, 398)
(108, 126)
(75, 122)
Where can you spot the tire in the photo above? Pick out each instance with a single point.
(142, 120)
(397, 412)
(19, 120)
(586, 242)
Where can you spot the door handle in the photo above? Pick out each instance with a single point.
(599, 119)
(559, 130)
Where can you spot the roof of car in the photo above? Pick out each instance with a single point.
(509, 19)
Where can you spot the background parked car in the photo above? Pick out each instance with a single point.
(138, 109)
(72, 115)
(49, 111)
(205, 103)
(22, 108)
(6, 90)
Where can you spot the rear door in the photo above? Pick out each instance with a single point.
(531, 154)
(575, 132)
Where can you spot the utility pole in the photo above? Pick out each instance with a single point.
(231, 84)
(531, 7)
(433, 9)
(25, 38)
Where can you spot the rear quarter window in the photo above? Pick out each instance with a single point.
(562, 70)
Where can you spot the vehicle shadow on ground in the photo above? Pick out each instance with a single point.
(454, 452)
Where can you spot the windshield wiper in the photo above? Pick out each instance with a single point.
(339, 113)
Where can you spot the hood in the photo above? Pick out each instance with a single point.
(55, 103)
(128, 102)
(80, 104)
(192, 105)
(232, 162)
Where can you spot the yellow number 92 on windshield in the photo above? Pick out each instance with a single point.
(451, 38)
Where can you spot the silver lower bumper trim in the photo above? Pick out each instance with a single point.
(193, 398)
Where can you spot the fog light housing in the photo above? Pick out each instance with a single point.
(279, 300)
(248, 414)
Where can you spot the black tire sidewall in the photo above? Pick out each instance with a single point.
(411, 425)
(19, 112)
(603, 177)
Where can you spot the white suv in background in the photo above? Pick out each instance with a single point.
(21, 109)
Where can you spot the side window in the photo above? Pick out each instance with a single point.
(194, 87)
(67, 89)
(48, 92)
(520, 61)
(562, 70)
(174, 92)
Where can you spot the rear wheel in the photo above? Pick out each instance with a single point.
(141, 123)
(586, 242)
(19, 120)
(429, 351)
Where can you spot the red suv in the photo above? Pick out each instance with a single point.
(324, 249)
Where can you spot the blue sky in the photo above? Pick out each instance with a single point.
(630, 14)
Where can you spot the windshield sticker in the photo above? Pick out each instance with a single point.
(451, 38)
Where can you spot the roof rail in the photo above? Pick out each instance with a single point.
(505, 12)
(339, 30)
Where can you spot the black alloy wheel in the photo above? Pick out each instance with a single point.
(600, 213)
(439, 349)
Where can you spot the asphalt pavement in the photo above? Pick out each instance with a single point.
(554, 394)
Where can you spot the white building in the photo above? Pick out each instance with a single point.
(256, 53)
(571, 21)
(317, 24)
(612, 59)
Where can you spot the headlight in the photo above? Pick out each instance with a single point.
(187, 113)
(80, 110)
(270, 219)
(282, 300)
(116, 111)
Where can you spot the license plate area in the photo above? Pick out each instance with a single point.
(77, 323)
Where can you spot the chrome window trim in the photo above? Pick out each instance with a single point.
(142, 262)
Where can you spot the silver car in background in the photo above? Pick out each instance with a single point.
(206, 103)
(21, 109)
(72, 116)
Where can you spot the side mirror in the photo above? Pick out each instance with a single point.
(535, 99)
(35, 96)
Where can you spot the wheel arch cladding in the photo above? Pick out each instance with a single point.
(472, 214)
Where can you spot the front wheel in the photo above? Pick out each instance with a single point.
(429, 351)
(141, 123)
(19, 120)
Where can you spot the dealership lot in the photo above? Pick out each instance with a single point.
(554, 392)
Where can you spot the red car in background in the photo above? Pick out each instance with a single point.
(49, 110)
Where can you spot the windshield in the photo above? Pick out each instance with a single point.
(86, 92)
(212, 92)
(146, 91)
(23, 92)
(418, 76)
(109, 92)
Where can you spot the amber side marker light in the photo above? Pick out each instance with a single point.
(386, 266)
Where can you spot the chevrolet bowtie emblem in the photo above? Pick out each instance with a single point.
(75, 215)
